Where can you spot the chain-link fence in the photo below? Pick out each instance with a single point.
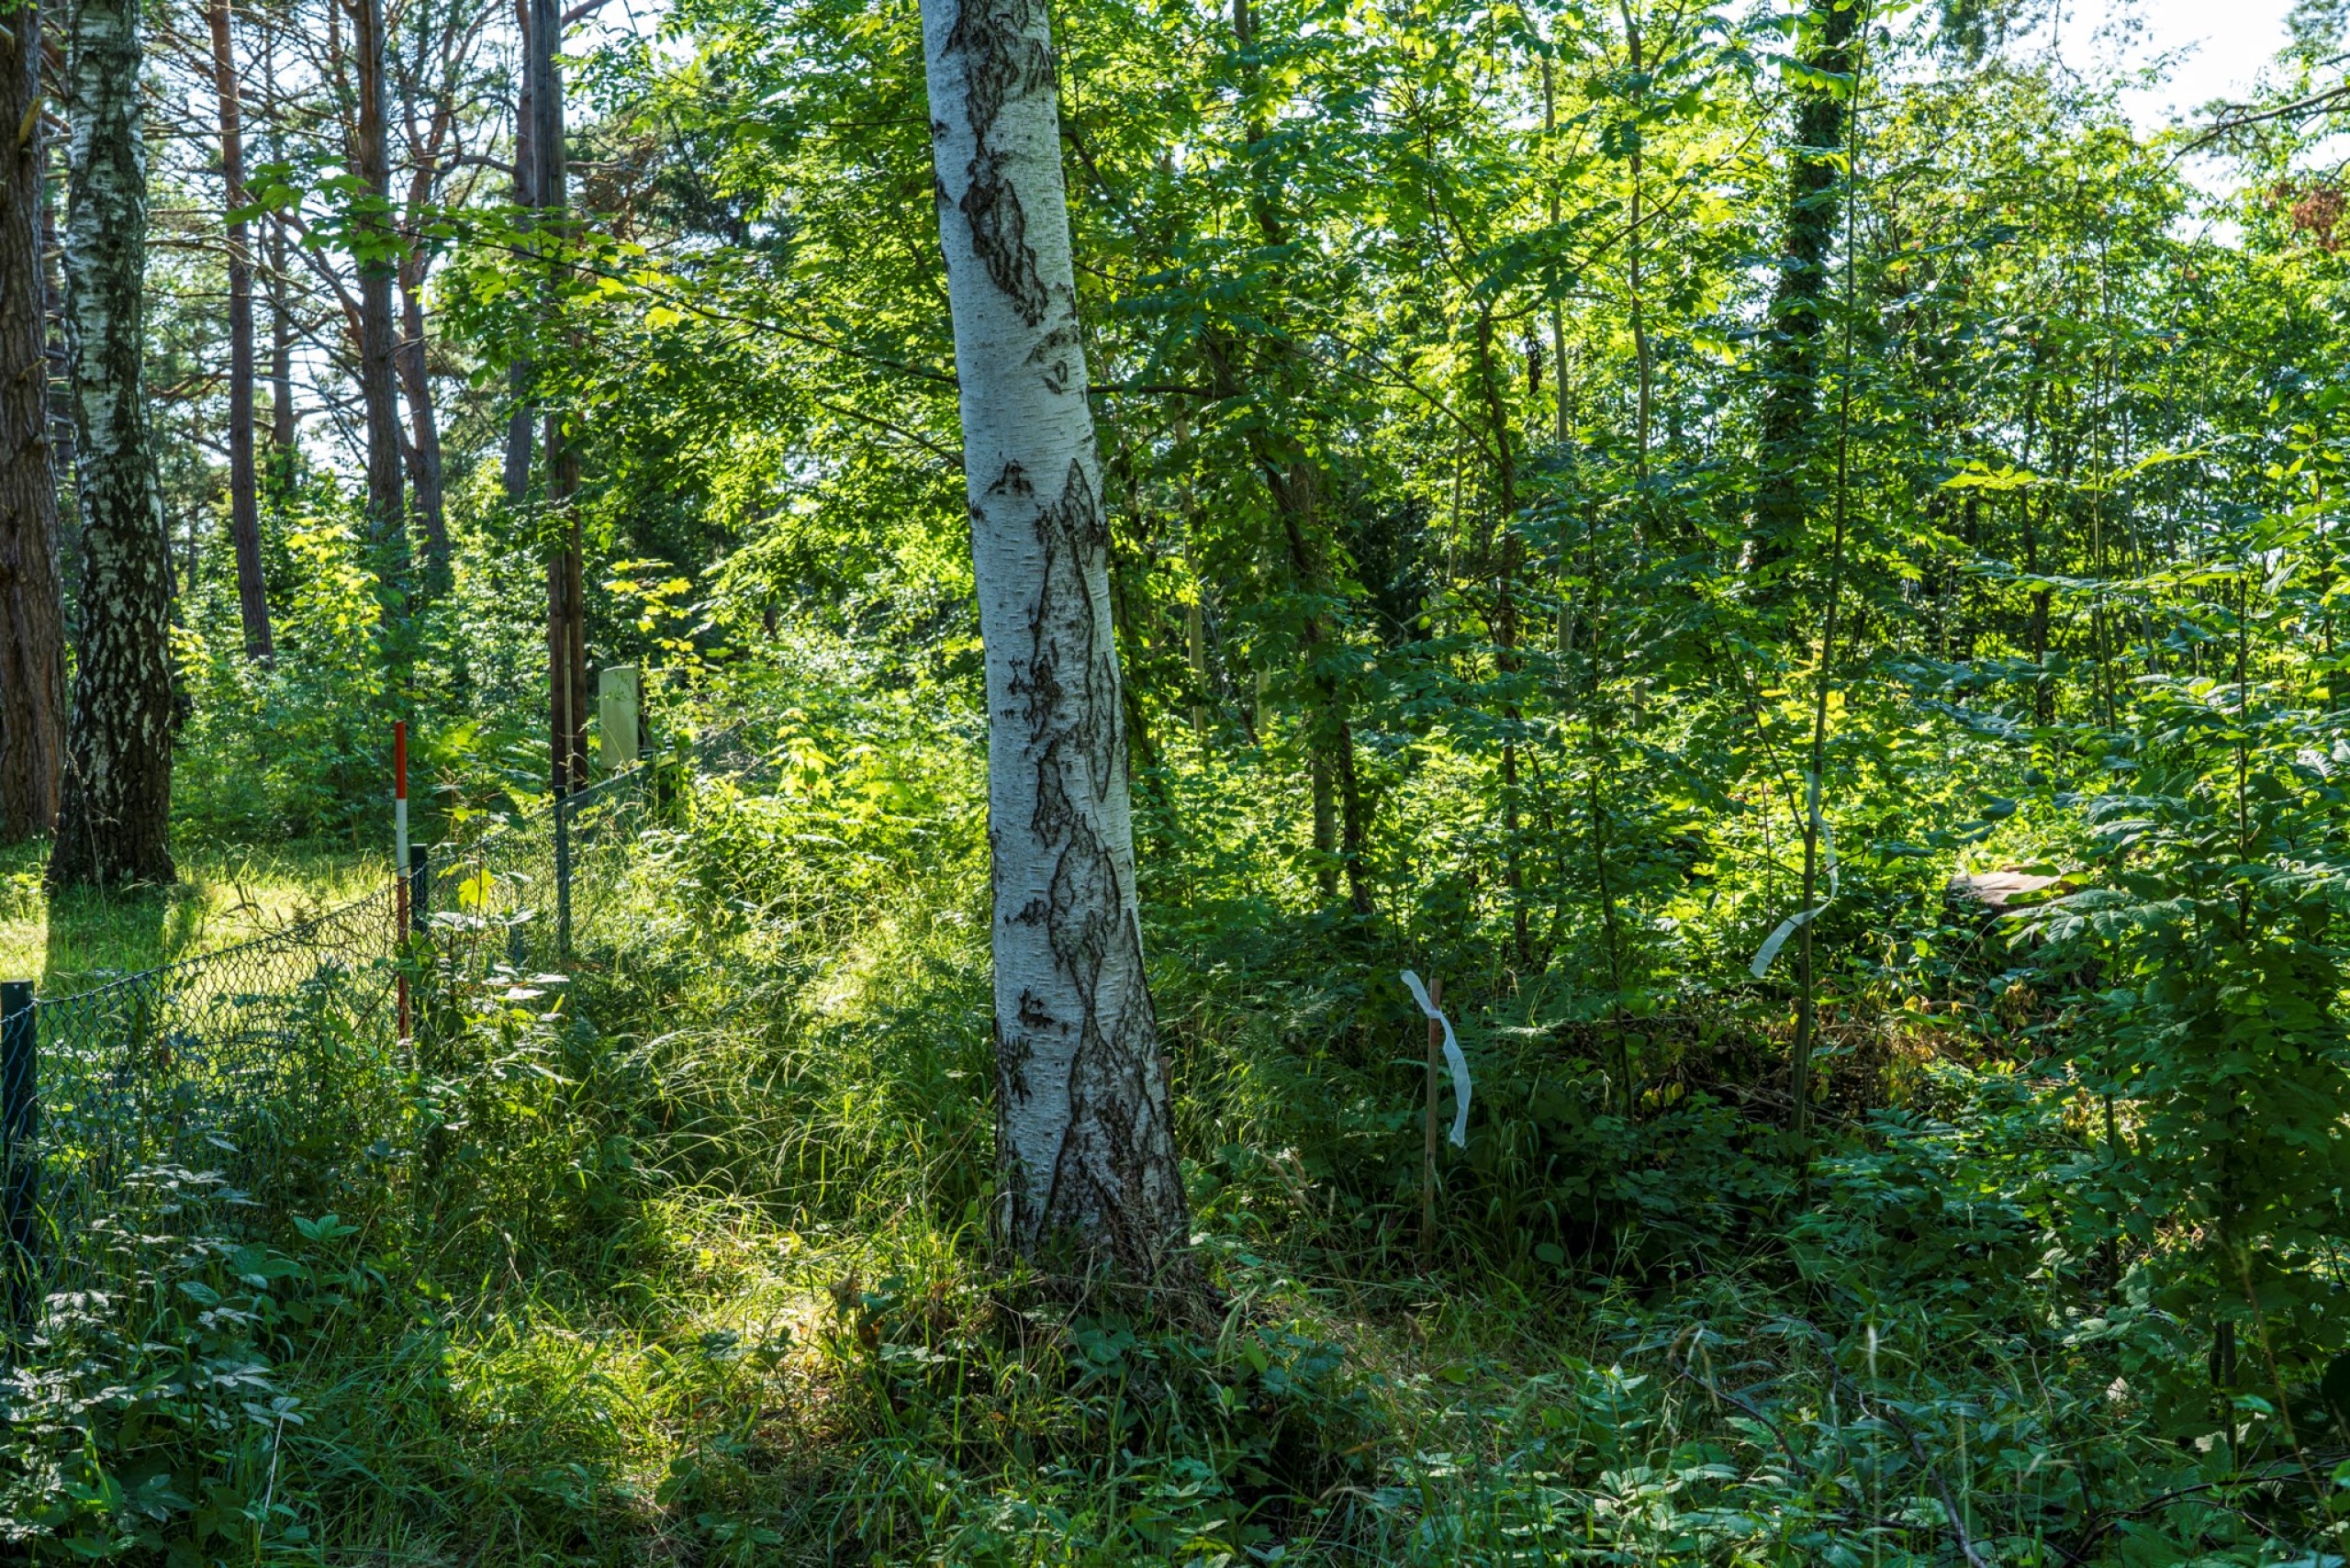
(530, 890)
(209, 1071)
(560, 884)
(213, 1073)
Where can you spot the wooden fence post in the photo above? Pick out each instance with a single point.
(563, 874)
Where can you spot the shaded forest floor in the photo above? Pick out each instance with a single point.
(684, 1261)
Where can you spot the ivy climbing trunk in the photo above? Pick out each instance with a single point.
(113, 823)
(32, 617)
(1084, 1144)
(1791, 358)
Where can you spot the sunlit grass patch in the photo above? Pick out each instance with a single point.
(223, 896)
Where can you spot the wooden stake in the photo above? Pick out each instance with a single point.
(1427, 1151)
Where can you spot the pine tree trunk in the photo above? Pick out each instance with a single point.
(1084, 1143)
(566, 594)
(32, 617)
(519, 423)
(244, 500)
(379, 265)
(425, 469)
(114, 824)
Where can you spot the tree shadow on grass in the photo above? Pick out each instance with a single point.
(100, 935)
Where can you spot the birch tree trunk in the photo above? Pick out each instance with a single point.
(62, 458)
(282, 428)
(244, 500)
(1084, 1146)
(114, 824)
(32, 615)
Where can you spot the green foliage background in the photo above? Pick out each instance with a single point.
(1433, 347)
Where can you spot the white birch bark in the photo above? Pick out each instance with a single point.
(1085, 1151)
(114, 820)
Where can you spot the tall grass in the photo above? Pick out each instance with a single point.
(684, 1259)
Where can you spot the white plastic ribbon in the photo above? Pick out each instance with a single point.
(1454, 1058)
(1802, 917)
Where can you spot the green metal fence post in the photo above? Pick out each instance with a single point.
(561, 874)
(19, 1158)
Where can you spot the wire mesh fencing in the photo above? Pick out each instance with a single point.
(280, 1066)
(561, 883)
(542, 889)
(189, 1084)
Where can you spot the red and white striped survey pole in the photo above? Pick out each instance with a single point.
(399, 863)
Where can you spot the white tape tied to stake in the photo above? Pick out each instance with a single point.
(1454, 1058)
(1802, 917)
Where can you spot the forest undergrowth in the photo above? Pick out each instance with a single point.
(686, 1259)
(1614, 506)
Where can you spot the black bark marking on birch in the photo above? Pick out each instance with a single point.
(1057, 355)
(1011, 1062)
(999, 236)
(1075, 539)
(1108, 1168)
(1111, 1169)
(1001, 62)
